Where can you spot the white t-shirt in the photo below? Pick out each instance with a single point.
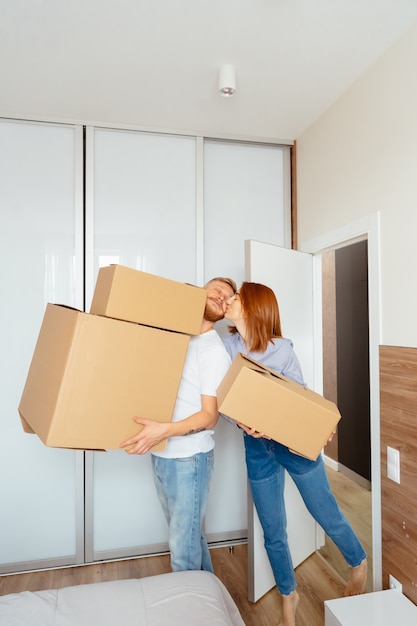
(205, 365)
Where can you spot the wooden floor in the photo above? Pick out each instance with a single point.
(356, 504)
(321, 577)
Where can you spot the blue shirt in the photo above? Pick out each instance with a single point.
(279, 355)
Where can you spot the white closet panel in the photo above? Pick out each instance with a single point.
(140, 213)
(40, 488)
(144, 203)
(246, 196)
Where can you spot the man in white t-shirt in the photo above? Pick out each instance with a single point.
(182, 472)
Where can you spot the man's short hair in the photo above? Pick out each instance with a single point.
(221, 279)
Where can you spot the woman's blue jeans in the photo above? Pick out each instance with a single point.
(182, 486)
(267, 461)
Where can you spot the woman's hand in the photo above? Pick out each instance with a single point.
(331, 436)
(252, 432)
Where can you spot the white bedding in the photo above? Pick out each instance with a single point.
(177, 599)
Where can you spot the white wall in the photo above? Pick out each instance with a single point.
(361, 157)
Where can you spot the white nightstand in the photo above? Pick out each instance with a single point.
(380, 608)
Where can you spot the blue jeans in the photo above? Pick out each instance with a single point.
(182, 486)
(266, 462)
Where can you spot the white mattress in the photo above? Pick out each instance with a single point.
(191, 598)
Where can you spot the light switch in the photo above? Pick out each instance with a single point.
(393, 464)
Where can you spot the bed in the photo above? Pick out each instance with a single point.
(191, 598)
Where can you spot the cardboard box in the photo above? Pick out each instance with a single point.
(285, 411)
(90, 376)
(128, 294)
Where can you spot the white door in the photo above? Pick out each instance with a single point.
(290, 274)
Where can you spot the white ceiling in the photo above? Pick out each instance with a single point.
(154, 63)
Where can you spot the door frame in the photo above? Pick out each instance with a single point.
(365, 228)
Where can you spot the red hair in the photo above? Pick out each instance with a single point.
(261, 311)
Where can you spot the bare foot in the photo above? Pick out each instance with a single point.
(289, 607)
(357, 581)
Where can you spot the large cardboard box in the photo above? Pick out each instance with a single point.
(285, 411)
(90, 376)
(128, 294)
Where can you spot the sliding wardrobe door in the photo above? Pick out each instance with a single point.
(140, 213)
(41, 488)
(246, 196)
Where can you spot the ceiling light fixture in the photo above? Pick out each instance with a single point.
(227, 80)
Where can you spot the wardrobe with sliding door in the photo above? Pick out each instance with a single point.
(72, 199)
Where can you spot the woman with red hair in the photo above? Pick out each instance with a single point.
(257, 332)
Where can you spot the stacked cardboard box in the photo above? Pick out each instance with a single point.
(283, 410)
(128, 294)
(92, 372)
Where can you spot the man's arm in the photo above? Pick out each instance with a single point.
(155, 432)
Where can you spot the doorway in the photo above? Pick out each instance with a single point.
(345, 321)
(365, 228)
(346, 357)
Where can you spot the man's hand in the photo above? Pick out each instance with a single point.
(151, 434)
(155, 432)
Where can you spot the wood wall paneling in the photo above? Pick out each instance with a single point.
(329, 340)
(398, 389)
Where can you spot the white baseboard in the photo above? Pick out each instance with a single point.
(334, 465)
